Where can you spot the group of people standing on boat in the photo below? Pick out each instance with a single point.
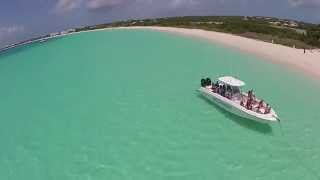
(251, 101)
(222, 90)
(217, 87)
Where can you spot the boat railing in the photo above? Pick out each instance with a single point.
(242, 98)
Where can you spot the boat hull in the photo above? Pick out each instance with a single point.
(236, 109)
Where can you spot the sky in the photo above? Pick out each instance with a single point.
(23, 19)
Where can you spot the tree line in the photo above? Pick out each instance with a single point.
(302, 35)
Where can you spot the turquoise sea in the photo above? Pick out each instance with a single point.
(121, 104)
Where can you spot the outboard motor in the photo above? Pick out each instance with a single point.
(208, 81)
(203, 83)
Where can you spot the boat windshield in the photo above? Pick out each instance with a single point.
(233, 90)
(236, 90)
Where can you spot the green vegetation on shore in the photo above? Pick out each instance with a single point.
(286, 32)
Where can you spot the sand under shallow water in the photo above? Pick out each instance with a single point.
(121, 104)
(296, 59)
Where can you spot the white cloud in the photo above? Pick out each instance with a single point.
(63, 6)
(10, 30)
(180, 3)
(98, 4)
(304, 3)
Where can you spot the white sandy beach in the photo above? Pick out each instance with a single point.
(296, 59)
(309, 63)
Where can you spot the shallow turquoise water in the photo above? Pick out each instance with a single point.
(121, 104)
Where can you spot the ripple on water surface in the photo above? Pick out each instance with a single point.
(121, 104)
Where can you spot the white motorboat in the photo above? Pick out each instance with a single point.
(226, 93)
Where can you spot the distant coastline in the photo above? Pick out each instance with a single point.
(306, 61)
(24, 43)
(287, 32)
(36, 40)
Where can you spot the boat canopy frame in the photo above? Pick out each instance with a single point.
(231, 84)
(231, 81)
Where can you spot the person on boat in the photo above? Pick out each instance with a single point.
(260, 105)
(216, 84)
(248, 104)
(267, 109)
(249, 100)
(223, 91)
(228, 95)
(214, 87)
(229, 90)
(241, 102)
(208, 81)
(253, 95)
(249, 93)
(220, 89)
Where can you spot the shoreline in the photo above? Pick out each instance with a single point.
(295, 59)
(40, 40)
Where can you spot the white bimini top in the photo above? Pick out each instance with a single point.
(231, 81)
